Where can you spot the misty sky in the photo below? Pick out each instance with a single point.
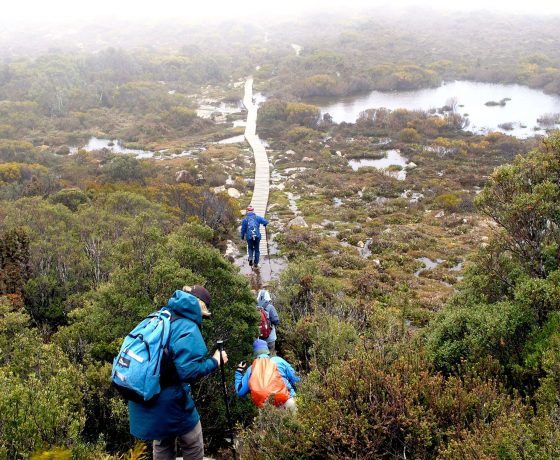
(60, 10)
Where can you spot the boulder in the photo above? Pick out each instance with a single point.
(182, 176)
(290, 152)
(307, 159)
(297, 222)
(411, 165)
(360, 244)
(219, 189)
(440, 214)
(234, 193)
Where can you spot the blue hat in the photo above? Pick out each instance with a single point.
(260, 347)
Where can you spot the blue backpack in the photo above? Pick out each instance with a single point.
(252, 227)
(137, 367)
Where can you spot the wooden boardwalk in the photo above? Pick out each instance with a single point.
(262, 169)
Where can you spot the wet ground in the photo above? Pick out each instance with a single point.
(269, 268)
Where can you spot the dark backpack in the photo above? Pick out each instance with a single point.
(265, 327)
(252, 227)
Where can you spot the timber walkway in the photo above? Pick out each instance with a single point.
(262, 169)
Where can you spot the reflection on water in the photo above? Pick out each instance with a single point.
(116, 146)
(233, 140)
(297, 49)
(259, 98)
(270, 267)
(429, 264)
(218, 111)
(392, 158)
(524, 107)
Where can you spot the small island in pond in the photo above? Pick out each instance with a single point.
(500, 103)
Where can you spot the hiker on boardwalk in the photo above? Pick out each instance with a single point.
(172, 414)
(250, 231)
(267, 378)
(267, 331)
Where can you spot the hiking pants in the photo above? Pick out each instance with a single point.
(253, 247)
(192, 446)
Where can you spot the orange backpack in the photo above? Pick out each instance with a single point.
(266, 381)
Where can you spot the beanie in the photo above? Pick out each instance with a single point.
(201, 294)
(260, 347)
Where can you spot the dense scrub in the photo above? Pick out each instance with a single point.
(399, 359)
(480, 381)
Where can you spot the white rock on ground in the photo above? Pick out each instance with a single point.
(297, 222)
(182, 176)
(233, 192)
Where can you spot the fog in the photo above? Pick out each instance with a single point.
(24, 11)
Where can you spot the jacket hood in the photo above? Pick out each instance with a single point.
(186, 305)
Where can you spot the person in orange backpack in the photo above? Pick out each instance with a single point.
(267, 378)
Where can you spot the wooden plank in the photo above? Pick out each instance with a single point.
(262, 166)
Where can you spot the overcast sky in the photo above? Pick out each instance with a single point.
(13, 11)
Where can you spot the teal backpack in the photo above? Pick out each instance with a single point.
(137, 367)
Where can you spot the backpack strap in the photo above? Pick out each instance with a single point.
(169, 376)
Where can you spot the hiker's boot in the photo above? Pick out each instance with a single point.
(250, 263)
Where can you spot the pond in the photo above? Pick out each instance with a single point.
(392, 158)
(217, 111)
(488, 105)
(429, 264)
(233, 140)
(116, 146)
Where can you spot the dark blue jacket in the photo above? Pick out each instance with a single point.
(172, 412)
(260, 221)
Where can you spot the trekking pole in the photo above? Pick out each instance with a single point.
(268, 256)
(220, 345)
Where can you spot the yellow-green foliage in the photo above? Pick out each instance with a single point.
(409, 135)
(299, 133)
(448, 201)
(16, 172)
(55, 454)
(302, 114)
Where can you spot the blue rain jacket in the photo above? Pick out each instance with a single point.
(172, 412)
(286, 371)
(260, 221)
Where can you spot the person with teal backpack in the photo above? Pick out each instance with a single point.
(173, 334)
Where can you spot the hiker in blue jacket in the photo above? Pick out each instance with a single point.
(286, 371)
(264, 301)
(250, 231)
(172, 413)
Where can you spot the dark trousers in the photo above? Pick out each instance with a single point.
(253, 247)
